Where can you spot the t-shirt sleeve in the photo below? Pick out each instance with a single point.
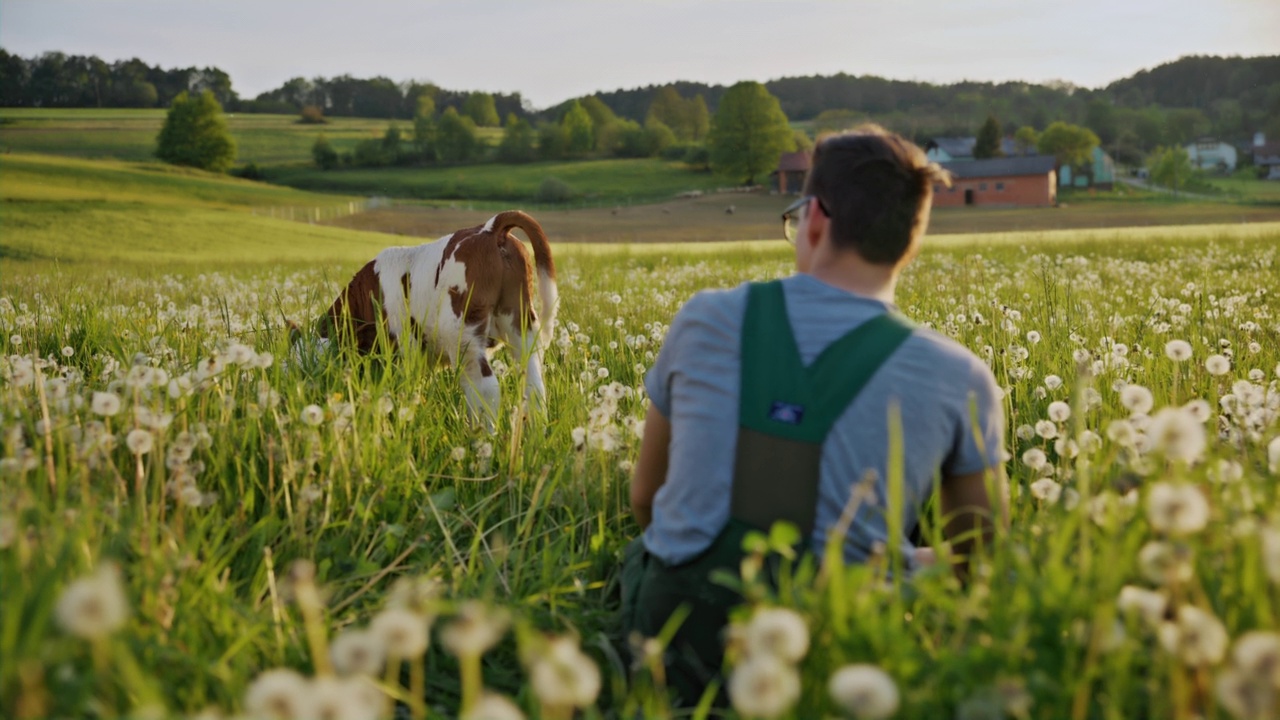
(979, 440)
(703, 327)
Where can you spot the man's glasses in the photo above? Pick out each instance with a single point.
(792, 215)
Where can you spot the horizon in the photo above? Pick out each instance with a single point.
(701, 42)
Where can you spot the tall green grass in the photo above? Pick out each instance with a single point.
(394, 482)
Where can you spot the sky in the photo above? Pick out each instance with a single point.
(553, 50)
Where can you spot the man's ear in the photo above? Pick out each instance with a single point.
(815, 223)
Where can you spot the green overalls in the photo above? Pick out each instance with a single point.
(785, 413)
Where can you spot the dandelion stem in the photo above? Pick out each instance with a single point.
(471, 682)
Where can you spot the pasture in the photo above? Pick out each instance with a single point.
(195, 519)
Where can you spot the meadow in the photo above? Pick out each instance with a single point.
(198, 519)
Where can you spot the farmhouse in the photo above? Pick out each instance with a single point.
(955, 149)
(1266, 157)
(788, 179)
(999, 182)
(1209, 153)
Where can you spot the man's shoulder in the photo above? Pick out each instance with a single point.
(946, 354)
(724, 304)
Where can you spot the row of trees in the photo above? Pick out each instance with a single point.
(1171, 104)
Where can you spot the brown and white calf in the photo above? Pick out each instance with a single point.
(456, 297)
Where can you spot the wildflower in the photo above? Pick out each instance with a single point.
(1177, 434)
(1243, 697)
(1162, 563)
(68, 351)
(1199, 409)
(94, 606)
(1257, 655)
(403, 633)
(385, 405)
(493, 706)
(474, 630)
(105, 404)
(864, 691)
(563, 677)
(1177, 509)
(764, 686)
(358, 652)
(1149, 605)
(1121, 432)
(1178, 350)
(353, 698)
(139, 441)
(15, 340)
(458, 454)
(1136, 399)
(484, 451)
(1046, 430)
(279, 694)
(1273, 455)
(778, 631)
(1089, 442)
(312, 415)
(1025, 432)
(1270, 541)
(579, 435)
(1046, 490)
(1053, 382)
(8, 531)
(1059, 411)
(1217, 365)
(1195, 636)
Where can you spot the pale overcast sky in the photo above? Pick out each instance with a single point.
(552, 50)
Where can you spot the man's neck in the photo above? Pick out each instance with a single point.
(849, 272)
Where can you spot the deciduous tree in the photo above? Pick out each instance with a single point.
(749, 133)
(1069, 144)
(1170, 167)
(480, 107)
(195, 134)
(578, 130)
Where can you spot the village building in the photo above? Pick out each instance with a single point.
(999, 182)
(958, 149)
(788, 179)
(1266, 157)
(1099, 173)
(1209, 153)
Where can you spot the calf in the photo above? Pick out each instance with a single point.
(455, 298)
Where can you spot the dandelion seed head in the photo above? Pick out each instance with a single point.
(1178, 350)
(492, 706)
(1046, 490)
(1195, 636)
(563, 677)
(781, 632)
(1217, 365)
(1059, 411)
(1136, 399)
(1177, 509)
(312, 415)
(94, 606)
(105, 404)
(864, 691)
(1163, 563)
(279, 694)
(476, 628)
(402, 632)
(764, 687)
(358, 652)
(1148, 604)
(1178, 434)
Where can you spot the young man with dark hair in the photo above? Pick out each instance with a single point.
(771, 400)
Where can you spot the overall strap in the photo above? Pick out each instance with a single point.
(779, 395)
(786, 410)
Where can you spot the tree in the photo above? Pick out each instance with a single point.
(988, 144)
(456, 137)
(749, 132)
(1170, 167)
(553, 141)
(1069, 144)
(323, 153)
(578, 130)
(424, 128)
(1026, 139)
(479, 106)
(836, 120)
(195, 134)
(517, 141)
(699, 118)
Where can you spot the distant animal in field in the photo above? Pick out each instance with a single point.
(456, 297)
(729, 210)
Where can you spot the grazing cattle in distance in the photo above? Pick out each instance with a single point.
(456, 297)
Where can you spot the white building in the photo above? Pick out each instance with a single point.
(1212, 154)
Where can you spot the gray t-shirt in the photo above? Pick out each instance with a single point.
(939, 386)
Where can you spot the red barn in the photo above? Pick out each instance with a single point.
(788, 179)
(1000, 182)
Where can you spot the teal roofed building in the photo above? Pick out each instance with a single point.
(1100, 173)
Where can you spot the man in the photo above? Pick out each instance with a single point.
(770, 401)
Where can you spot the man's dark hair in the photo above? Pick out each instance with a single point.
(876, 187)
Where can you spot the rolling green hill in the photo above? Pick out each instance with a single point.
(72, 210)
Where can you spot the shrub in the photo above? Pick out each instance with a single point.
(195, 134)
(324, 154)
(249, 171)
(312, 115)
(554, 190)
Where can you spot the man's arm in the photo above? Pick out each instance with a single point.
(970, 515)
(651, 467)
